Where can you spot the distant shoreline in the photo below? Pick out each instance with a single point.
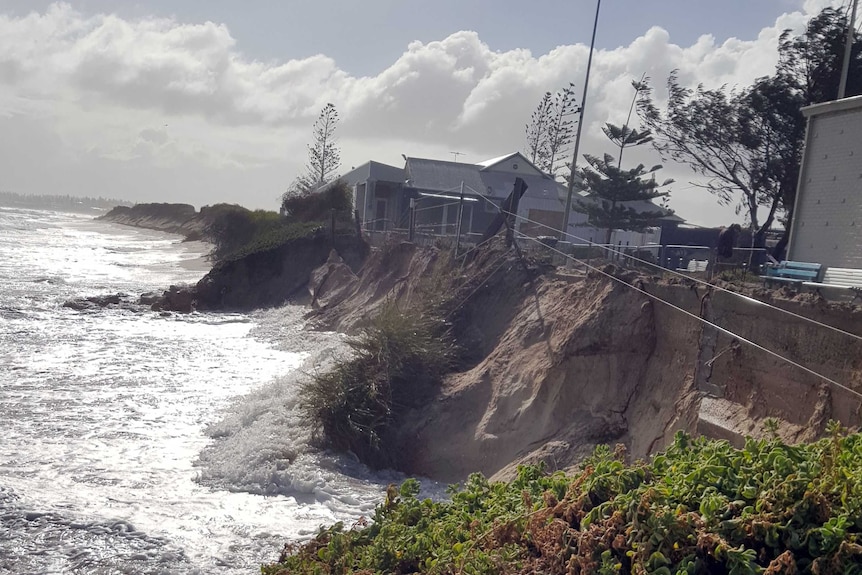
(60, 203)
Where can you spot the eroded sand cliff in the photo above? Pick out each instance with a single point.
(562, 360)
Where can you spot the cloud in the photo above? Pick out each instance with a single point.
(178, 96)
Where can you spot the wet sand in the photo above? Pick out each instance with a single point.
(197, 260)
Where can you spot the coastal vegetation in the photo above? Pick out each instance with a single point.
(396, 363)
(236, 232)
(700, 507)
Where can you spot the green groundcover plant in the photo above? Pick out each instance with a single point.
(700, 507)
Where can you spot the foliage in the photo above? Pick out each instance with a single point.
(701, 507)
(612, 189)
(324, 158)
(318, 206)
(397, 362)
(236, 231)
(551, 130)
(813, 60)
(734, 139)
(748, 142)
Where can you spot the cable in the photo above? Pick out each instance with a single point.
(482, 283)
(690, 278)
(704, 321)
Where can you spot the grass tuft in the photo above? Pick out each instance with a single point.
(397, 363)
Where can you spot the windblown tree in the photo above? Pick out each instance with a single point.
(721, 136)
(537, 130)
(552, 129)
(324, 157)
(612, 190)
(748, 143)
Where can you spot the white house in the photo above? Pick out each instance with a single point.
(382, 196)
(827, 214)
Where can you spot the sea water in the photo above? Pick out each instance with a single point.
(133, 441)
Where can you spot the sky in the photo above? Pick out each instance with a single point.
(207, 101)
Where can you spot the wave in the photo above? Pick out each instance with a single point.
(51, 280)
(78, 545)
(263, 444)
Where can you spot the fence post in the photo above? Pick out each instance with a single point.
(411, 229)
(358, 224)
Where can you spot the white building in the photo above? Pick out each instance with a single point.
(382, 195)
(827, 215)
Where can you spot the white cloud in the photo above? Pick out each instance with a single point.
(180, 99)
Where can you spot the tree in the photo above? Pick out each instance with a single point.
(552, 129)
(748, 143)
(537, 130)
(812, 61)
(324, 158)
(721, 136)
(611, 189)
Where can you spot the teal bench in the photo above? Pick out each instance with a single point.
(793, 273)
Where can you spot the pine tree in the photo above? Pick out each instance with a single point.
(551, 130)
(324, 158)
(611, 188)
(537, 136)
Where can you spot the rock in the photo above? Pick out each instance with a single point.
(149, 298)
(97, 302)
(178, 298)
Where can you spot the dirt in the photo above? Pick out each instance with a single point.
(558, 361)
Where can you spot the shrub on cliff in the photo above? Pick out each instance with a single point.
(701, 507)
(396, 364)
(236, 231)
(318, 206)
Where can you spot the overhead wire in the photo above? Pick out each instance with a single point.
(748, 299)
(703, 320)
(667, 303)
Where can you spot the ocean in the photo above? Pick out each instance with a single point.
(138, 442)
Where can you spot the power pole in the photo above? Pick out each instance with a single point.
(564, 232)
(848, 48)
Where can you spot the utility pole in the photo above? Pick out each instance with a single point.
(456, 154)
(564, 232)
(848, 48)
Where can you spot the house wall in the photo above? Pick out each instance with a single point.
(827, 223)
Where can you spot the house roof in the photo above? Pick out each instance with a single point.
(374, 171)
(443, 176)
(489, 164)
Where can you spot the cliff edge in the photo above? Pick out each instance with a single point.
(559, 360)
(180, 219)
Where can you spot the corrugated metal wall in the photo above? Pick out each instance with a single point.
(827, 226)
